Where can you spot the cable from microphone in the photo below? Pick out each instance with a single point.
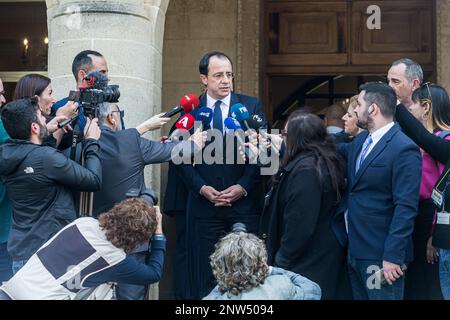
(233, 125)
(184, 124)
(205, 115)
(188, 103)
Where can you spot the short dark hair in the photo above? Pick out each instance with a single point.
(203, 66)
(382, 95)
(83, 61)
(335, 112)
(31, 85)
(17, 117)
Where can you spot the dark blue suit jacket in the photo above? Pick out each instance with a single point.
(222, 176)
(382, 198)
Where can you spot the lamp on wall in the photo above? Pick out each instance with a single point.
(25, 48)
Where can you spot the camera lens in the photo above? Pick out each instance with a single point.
(111, 93)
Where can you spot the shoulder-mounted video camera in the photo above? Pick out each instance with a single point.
(96, 92)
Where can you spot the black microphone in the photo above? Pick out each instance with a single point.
(66, 122)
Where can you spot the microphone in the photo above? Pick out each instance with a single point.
(188, 103)
(239, 227)
(185, 123)
(66, 122)
(205, 115)
(240, 113)
(256, 123)
(233, 124)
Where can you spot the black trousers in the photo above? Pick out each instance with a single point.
(204, 234)
(422, 278)
(181, 283)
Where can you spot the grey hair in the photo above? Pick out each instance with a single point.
(104, 109)
(239, 263)
(413, 69)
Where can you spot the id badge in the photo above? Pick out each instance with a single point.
(437, 198)
(443, 218)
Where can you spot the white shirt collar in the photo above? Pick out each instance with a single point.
(210, 102)
(377, 135)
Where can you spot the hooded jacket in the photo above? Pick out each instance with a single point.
(38, 181)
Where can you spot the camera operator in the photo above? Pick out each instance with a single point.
(39, 179)
(90, 252)
(124, 156)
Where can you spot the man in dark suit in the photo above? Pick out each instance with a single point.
(220, 194)
(384, 172)
(175, 199)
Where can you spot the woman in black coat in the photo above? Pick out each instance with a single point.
(296, 222)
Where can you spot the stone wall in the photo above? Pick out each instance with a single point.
(443, 43)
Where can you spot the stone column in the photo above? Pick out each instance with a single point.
(443, 43)
(129, 33)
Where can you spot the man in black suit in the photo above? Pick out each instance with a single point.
(220, 194)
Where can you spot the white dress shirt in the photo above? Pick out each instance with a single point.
(376, 137)
(225, 106)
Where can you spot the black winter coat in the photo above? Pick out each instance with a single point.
(38, 181)
(296, 224)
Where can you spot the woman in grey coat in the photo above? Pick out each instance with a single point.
(239, 265)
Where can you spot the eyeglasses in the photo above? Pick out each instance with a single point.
(430, 100)
(221, 75)
(121, 112)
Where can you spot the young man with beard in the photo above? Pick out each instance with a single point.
(39, 179)
(384, 170)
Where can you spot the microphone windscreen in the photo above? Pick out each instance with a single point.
(205, 115)
(232, 124)
(189, 102)
(240, 112)
(255, 122)
(186, 122)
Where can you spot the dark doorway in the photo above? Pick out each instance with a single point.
(317, 55)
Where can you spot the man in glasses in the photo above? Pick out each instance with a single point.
(219, 194)
(405, 76)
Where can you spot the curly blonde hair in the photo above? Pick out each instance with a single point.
(239, 263)
(129, 223)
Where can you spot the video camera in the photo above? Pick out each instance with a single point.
(97, 92)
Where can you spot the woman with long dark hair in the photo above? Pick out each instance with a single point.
(300, 206)
(40, 87)
(37, 85)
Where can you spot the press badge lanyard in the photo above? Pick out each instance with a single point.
(438, 197)
(438, 194)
